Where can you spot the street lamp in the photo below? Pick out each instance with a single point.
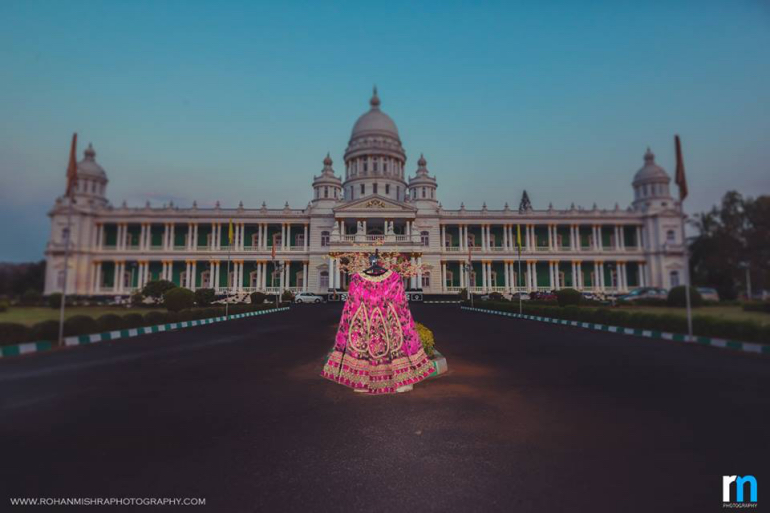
(747, 266)
(468, 268)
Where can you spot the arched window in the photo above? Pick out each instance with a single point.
(670, 236)
(674, 278)
(324, 238)
(425, 238)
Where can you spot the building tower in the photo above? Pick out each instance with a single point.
(327, 187)
(422, 187)
(374, 158)
(651, 186)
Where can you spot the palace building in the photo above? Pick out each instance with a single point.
(115, 250)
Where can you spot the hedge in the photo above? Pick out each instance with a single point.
(703, 325)
(15, 333)
(757, 306)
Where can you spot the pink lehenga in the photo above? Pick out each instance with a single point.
(377, 348)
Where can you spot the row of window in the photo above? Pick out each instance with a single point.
(375, 164)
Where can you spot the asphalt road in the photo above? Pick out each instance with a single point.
(531, 417)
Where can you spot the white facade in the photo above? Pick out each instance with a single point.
(115, 250)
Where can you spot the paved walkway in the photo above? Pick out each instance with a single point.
(531, 417)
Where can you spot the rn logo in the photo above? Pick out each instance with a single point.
(740, 488)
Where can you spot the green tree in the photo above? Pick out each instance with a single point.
(156, 288)
(178, 299)
(731, 235)
(204, 297)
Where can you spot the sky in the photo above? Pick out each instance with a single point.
(240, 101)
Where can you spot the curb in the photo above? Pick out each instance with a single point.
(439, 365)
(746, 347)
(81, 340)
(436, 302)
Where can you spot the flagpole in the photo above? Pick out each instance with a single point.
(71, 178)
(227, 292)
(681, 181)
(519, 280)
(66, 268)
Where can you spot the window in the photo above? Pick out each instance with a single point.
(324, 280)
(363, 188)
(398, 191)
(674, 278)
(374, 189)
(670, 236)
(324, 238)
(387, 189)
(65, 235)
(425, 238)
(366, 166)
(423, 192)
(326, 192)
(376, 160)
(449, 278)
(426, 280)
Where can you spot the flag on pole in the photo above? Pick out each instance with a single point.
(230, 233)
(680, 179)
(518, 236)
(272, 252)
(72, 168)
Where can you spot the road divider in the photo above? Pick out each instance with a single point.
(81, 340)
(746, 347)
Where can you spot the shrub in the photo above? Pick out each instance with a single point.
(4, 305)
(178, 299)
(137, 299)
(109, 322)
(463, 294)
(257, 298)
(54, 300)
(157, 288)
(133, 320)
(185, 315)
(13, 333)
(46, 330)
(757, 306)
(30, 297)
(568, 297)
(208, 313)
(426, 338)
(496, 296)
(154, 318)
(204, 297)
(677, 297)
(287, 296)
(172, 317)
(80, 325)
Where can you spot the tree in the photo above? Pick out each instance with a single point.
(178, 299)
(156, 288)
(731, 236)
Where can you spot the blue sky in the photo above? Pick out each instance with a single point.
(236, 101)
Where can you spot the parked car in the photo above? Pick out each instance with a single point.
(524, 296)
(708, 294)
(543, 296)
(645, 293)
(307, 297)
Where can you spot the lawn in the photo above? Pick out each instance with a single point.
(30, 315)
(733, 313)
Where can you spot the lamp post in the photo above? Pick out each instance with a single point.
(747, 266)
(279, 267)
(468, 268)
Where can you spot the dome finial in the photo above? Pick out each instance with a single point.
(328, 161)
(649, 156)
(90, 153)
(375, 101)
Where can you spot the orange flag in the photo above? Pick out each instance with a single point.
(680, 179)
(72, 168)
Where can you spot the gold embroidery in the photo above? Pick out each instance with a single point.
(375, 279)
(396, 331)
(378, 336)
(358, 331)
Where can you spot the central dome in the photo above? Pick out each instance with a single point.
(374, 122)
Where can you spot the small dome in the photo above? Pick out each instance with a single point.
(88, 166)
(328, 161)
(651, 172)
(422, 162)
(374, 122)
